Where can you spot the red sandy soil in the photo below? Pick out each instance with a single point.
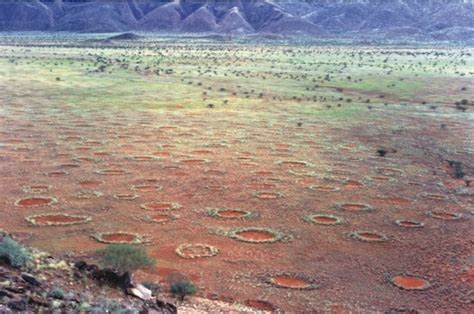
(351, 275)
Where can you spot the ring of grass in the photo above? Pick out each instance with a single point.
(311, 219)
(409, 223)
(150, 219)
(259, 194)
(33, 219)
(138, 238)
(215, 212)
(36, 189)
(85, 194)
(448, 215)
(363, 207)
(323, 188)
(126, 197)
(211, 250)
(235, 234)
(171, 206)
(356, 235)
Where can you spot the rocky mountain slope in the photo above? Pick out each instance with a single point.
(437, 19)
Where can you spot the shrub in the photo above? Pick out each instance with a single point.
(125, 258)
(13, 252)
(180, 286)
(57, 293)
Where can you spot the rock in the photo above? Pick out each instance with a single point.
(140, 292)
(18, 305)
(110, 277)
(80, 265)
(4, 293)
(166, 307)
(37, 300)
(30, 279)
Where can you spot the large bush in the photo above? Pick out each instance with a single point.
(124, 258)
(13, 252)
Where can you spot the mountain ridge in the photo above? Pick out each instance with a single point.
(440, 19)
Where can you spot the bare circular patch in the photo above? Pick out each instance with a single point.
(57, 219)
(126, 197)
(86, 194)
(354, 207)
(292, 281)
(293, 163)
(111, 172)
(146, 188)
(196, 250)
(323, 188)
(324, 219)
(159, 218)
(36, 201)
(256, 235)
(229, 213)
(409, 224)
(444, 215)
(120, 237)
(90, 183)
(408, 282)
(160, 206)
(266, 195)
(36, 189)
(368, 236)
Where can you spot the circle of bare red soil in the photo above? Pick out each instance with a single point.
(408, 282)
(409, 224)
(382, 179)
(229, 213)
(194, 161)
(36, 189)
(36, 201)
(217, 187)
(59, 173)
(86, 194)
(354, 207)
(159, 218)
(120, 237)
(126, 197)
(324, 219)
(57, 219)
(443, 215)
(292, 281)
(265, 195)
(160, 206)
(111, 172)
(91, 183)
(352, 184)
(291, 163)
(396, 200)
(323, 188)
(215, 172)
(256, 235)
(144, 158)
(260, 305)
(263, 173)
(69, 166)
(368, 236)
(196, 250)
(435, 197)
(262, 186)
(389, 171)
(146, 188)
